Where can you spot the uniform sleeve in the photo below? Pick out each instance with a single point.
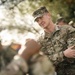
(17, 66)
(70, 41)
(57, 56)
(71, 37)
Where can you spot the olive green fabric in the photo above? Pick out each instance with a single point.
(54, 44)
(6, 55)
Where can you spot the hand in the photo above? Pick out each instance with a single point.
(70, 52)
(31, 48)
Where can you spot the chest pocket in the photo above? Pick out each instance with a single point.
(56, 43)
(59, 41)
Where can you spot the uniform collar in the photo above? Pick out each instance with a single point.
(47, 35)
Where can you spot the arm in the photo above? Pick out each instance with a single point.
(69, 52)
(31, 48)
(20, 61)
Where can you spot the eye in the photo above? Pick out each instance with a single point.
(39, 18)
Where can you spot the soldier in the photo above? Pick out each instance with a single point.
(18, 66)
(38, 60)
(58, 43)
(61, 21)
(7, 53)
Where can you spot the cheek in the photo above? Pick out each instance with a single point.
(47, 21)
(46, 18)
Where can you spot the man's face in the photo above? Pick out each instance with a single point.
(44, 20)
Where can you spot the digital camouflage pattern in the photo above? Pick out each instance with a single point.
(6, 56)
(40, 65)
(53, 46)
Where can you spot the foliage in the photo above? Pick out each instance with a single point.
(63, 8)
(14, 12)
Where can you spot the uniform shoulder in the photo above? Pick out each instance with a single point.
(68, 28)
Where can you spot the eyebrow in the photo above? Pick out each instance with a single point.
(38, 18)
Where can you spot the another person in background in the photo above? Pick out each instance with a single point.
(58, 43)
(7, 53)
(61, 21)
(40, 65)
(71, 23)
(19, 66)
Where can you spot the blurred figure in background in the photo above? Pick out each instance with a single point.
(61, 21)
(25, 62)
(7, 53)
(41, 65)
(18, 64)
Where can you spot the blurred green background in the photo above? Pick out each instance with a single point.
(16, 15)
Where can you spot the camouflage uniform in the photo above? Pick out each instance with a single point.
(40, 65)
(17, 66)
(6, 55)
(53, 46)
(10, 66)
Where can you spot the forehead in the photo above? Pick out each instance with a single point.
(38, 18)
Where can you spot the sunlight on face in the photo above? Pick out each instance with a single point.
(44, 20)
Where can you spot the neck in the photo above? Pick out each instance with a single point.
(50, 28)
